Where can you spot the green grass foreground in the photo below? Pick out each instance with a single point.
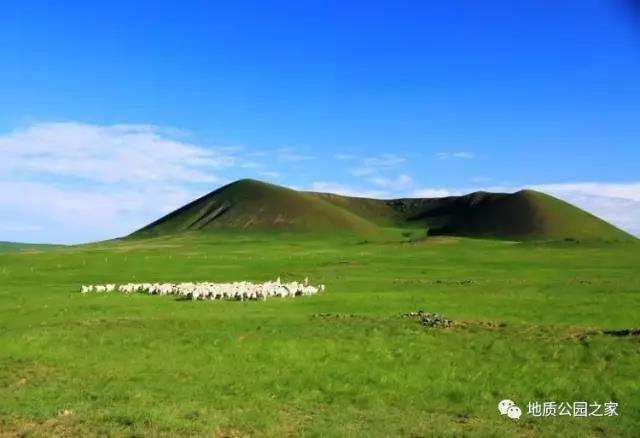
(147, 365)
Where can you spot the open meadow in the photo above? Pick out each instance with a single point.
(527, 326)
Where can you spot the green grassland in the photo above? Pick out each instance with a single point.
(342, 363)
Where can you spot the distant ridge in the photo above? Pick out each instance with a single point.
(18, 246)
(254, 205)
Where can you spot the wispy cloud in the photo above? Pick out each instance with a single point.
(458, 155)
(108, 154)
(345, 157)
(63, 214)
(340, 189)
(288, 154)
(272, 175)
(397, 184)
(71, 182)
(363, 171)
(375, 165)
(428, 192)
(384, 161)
(18, 226)
(251, 165)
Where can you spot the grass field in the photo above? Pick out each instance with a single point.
(528, 318)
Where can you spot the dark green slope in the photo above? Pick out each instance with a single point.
(522, 215)
(254, 205)
(377, 211)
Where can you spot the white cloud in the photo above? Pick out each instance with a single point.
(288, 154)
(434, 193)
(362, 171)
(375, 165)
(332, 187)
(73, 182)
(108, 154)
(18, 226)
(49, 213)
(401, 182)
(459, 155)
(383, 161)
(251, 165)
(273, 175)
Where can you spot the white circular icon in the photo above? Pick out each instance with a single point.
(514, 412)
(504, 406)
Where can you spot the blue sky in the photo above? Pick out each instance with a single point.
(113, 114)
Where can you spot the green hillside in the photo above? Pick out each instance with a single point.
(254, 205)
(526, 214)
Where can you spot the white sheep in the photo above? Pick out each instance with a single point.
(242, 290)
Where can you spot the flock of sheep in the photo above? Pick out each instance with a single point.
(242, 290)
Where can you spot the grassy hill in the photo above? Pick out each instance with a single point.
(254, 205)
(526, 214)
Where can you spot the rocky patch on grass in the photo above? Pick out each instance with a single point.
(335, 315)
(585, 335)
(431, 281)
(437, 320)
(430, 320)
(623, 332)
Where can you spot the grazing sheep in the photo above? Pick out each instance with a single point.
(240, 291)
